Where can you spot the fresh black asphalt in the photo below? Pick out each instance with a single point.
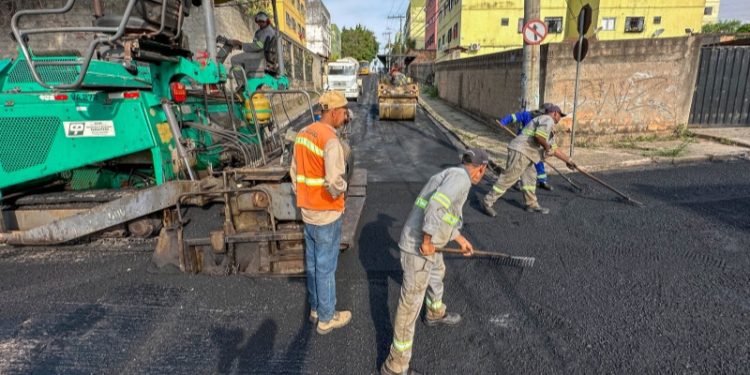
(615, 288)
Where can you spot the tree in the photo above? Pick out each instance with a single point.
(726, 27)
(359, 43)
(252, 7)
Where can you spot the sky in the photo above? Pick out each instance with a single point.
(374, 14)
(371, 14)
(735, 9)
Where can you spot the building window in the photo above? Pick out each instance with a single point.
(504, 22)
(455, 30)
(554, 24)
(634, 24)
(608, 24)
(708, 11)
(450, 35)
(520, 25)
(657, 20)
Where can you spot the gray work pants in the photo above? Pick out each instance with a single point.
(420, 276)
(518, 166)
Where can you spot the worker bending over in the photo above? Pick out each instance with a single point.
(527, 149)
(435, 220)
(524, 118)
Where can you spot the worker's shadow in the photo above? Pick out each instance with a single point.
(380, 257)
(254, 352)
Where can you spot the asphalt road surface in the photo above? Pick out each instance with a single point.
(615, 289)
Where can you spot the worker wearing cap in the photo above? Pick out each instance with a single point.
(434, 220)
(317, 173)
(524, 118)
(528, 148)
(262, 42)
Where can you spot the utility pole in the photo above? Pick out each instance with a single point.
(400, 29)
(387, 34)
(530, 74)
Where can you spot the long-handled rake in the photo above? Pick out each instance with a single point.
(499, 258)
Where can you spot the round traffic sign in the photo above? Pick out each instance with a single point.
(534, 32)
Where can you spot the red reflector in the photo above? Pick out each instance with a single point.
(179, 94)
(131, 95)
(60, 97)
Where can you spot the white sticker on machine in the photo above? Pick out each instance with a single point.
(76, 129)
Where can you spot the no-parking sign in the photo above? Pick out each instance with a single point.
(534, 32)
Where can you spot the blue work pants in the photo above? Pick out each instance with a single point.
(322, 246)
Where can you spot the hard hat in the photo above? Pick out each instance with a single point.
(261, 17)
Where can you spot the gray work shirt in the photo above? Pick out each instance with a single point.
(525, 143)
(438, 211)
(263, 36)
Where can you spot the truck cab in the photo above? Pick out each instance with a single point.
(342, 76)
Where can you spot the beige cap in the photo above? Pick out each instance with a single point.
(332, 100)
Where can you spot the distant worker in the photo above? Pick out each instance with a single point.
(263, 42)
(398, 78)
(435, 219)
(317, 173)
(527, 149)
(524, 118)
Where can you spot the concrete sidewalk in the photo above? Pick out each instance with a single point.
(619, 155)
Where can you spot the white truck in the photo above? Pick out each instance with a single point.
(342, 76)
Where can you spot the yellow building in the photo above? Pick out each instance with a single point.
(711, 12)
(476, 27)
(292, 19)
(414, 27)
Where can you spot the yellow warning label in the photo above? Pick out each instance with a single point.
(165, 133)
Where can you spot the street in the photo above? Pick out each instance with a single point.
(615, 288)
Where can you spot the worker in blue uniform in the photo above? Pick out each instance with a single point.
(523, 118)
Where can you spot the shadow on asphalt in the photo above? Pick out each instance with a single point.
(374, 255)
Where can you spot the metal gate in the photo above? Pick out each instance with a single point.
(722, 93)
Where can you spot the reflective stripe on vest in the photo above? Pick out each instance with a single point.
(309, 157)
(310, 181)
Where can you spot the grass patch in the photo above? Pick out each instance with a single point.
(431, 91)
(669, 152)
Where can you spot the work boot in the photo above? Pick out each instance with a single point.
(340, 319)
(537, 209)
(449, 319)
(313, 317)
(544, 185)
(384, 370)
(488, 210)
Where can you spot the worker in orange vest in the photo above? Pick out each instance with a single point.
(317, 172)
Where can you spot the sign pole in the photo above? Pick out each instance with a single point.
(575, 96)
(579, 53)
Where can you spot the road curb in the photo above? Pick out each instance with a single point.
(452, 130)
(722, 140)
(449, 130)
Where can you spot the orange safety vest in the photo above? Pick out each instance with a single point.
(311, 171)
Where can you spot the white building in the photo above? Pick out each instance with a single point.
(318, 32)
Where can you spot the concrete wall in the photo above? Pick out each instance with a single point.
(489, 85)
(630, 86)
(627, 87)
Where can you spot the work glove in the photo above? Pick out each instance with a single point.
(466, 246)
(572, 166)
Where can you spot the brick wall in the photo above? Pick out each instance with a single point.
(630, 86)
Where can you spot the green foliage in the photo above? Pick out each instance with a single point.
(335, 43)
(431, 90)
(726, 27)
(252, 7)
(359, 43)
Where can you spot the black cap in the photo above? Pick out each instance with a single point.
(475, 156)
(550, 108)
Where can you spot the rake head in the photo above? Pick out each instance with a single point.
(514, 261)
